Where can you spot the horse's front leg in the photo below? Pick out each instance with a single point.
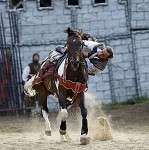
(84, 130)
(45, 113)
(62, 117)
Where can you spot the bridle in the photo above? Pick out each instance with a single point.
(75, 47)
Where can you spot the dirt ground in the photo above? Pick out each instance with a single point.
(129, 127)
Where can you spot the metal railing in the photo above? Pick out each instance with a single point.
(10, 63)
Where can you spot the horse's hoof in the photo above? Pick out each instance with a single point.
(48, 133)
(84, 140)
(62, 138)
(62, 132)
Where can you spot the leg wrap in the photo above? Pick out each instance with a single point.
(63, 125)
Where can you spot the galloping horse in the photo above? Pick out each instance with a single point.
(72, 85)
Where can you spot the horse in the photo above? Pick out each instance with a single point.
(72, 85)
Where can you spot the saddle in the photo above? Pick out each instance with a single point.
(47, 68)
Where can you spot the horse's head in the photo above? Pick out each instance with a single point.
(74, 46)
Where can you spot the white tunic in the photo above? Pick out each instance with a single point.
(25, 73)
(89, 45)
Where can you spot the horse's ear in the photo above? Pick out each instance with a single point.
(81, 33)
(68, 30)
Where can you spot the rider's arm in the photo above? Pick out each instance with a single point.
(92, 70)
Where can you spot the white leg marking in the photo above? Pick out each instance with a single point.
(63, 115)
(47, 122)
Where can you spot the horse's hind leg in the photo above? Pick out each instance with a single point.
(84, 130)
(45, 110)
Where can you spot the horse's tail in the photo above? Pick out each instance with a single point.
(28, 89)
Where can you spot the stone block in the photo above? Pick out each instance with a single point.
(118, 14)
(25, 49)
(121, 49)
(95, 79)
(89, 17)
(142, 24)
(120, 30)
(34, 20)
(144, 85)
(129, 74)
(127, 57)
(141, 36)
(120, 92)
(117, 59)
(27, 30)
(106, 101)
(133, 7)
(83, 10)
(123, 23)
(63, 19)
(105, 77)
(49, 19)
(112, 24)
(103, 86)
(85, 26)
(142, 7)
(134, 24)
(146, 15)
(41, 29)
(37, 13)
(125, 65)
(104, 16)
(87, 2)
(96, 25)
(116, 42)
(92, 9)
(107, 95)
(137, 1)
(143, 77)
(143, 69)
(138, 16)
(145, 51)
(23, 21)
(145, 43)
(119, 75)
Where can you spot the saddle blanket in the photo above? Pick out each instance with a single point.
(49, 68)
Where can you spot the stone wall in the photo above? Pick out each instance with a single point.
(122, 24)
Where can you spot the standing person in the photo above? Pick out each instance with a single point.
(30, 70)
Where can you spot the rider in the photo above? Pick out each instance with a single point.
(96, 55)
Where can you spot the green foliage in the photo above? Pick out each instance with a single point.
(128, 102)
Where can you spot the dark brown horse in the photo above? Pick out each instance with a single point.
(72, 85)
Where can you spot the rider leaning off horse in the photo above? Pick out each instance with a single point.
(96, 55)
